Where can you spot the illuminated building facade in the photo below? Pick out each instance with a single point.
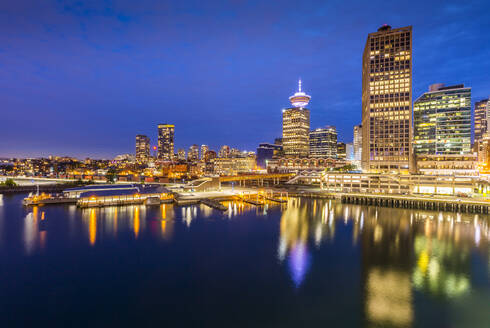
(210, 154)
(166, 141)
(142, 148)
(233, 166)
(442, 121)
(459, 165)
(481, 116)
(481, 122)
(224, 151)
(323, 142)
(193, 153)
(357, 142)
(296, 126)
(387, 100)
(401, 183)
(181, 154)
(341, 150)
(204, 150)
(349, 151)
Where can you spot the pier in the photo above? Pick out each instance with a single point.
(213, 204)
(419, 202)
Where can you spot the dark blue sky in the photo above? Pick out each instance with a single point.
(83, 78)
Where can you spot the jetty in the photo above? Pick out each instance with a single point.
(213, 204)
(437, 203)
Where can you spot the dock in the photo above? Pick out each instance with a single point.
(277, 200)
(213, 204)
(450, 204)
(48, 201)
(253, 202)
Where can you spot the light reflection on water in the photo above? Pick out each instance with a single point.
(402, 252)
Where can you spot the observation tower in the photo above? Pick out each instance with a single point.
(299, 99)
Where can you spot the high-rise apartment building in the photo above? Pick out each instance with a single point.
(224, 151)
(442, 121)
(323, 142)
(387, 100)
(166, 141)
(142, 148)
(357, 143)
(181, 154)
(481, 117)
(296, 125)
(193, 153)
(204, 150)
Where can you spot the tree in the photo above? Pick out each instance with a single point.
(111, 175)
(10, 183)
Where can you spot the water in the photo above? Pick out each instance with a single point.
(308, 264)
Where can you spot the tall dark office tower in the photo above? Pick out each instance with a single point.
(481, 116)
(166, 141)
(387, 100)
(296, 125)
(265, 152)
(442, 121)
(323, 142)
(142, 148)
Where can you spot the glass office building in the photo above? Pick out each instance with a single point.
(323, 142)
(442, 121)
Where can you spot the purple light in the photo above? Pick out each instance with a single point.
(299, 263)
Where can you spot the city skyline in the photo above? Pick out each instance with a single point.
(227, 98)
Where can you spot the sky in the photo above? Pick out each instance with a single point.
(82, 78)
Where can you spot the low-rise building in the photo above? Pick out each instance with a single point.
(233, 166)
(296, 164)
(402, 183)
(466, 164)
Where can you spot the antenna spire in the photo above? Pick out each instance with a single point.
(299, 85)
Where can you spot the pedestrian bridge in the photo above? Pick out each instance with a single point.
(259, 179)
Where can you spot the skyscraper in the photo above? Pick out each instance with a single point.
(296, 125)
(224, 151)
(193, 153)
(387, 100)
(341, 150)
(323, 142)
(142, 148)
(181, 154)
(166, 141)
(357, 143)
(481, 116)
(204, 150)
(442, 121)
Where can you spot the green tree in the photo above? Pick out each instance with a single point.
(111, 175)
(10, 183)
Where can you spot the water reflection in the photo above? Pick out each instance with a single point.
(402, 254)
(34, 234)
(402, 251)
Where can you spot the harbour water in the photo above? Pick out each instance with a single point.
(307, 263)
